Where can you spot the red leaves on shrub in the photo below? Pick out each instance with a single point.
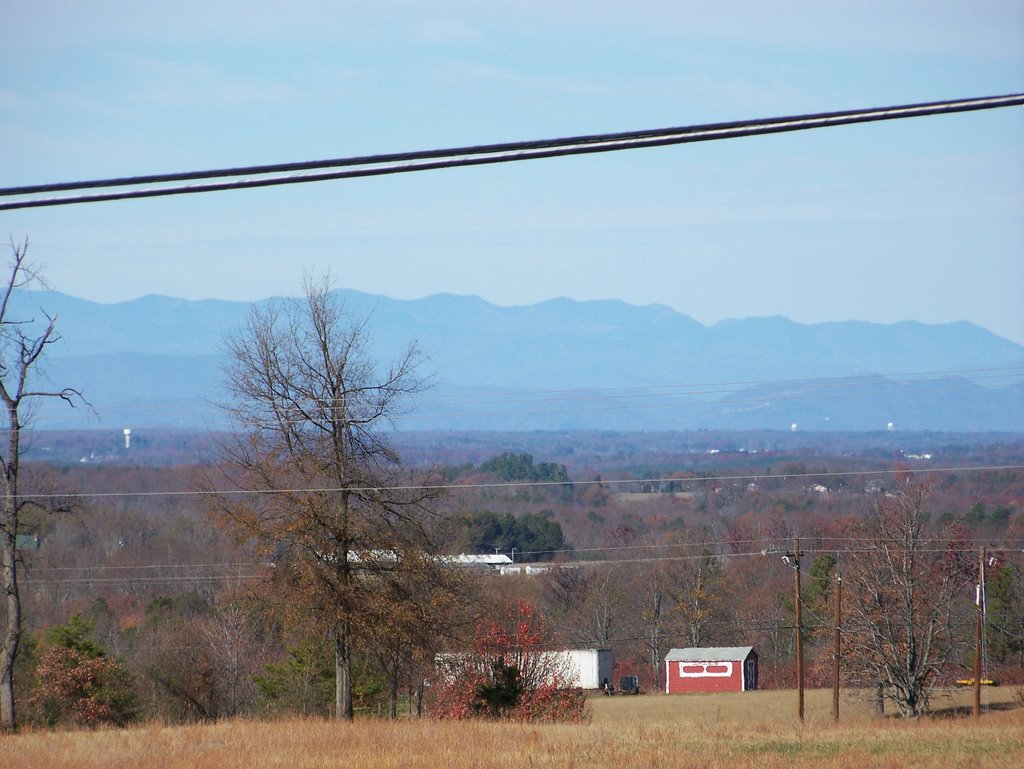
(83, 690)
(508, 675)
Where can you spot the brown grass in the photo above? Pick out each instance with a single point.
(731, 731)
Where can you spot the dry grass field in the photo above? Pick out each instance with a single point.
(733, 731)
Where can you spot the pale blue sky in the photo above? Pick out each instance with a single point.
(919, 219)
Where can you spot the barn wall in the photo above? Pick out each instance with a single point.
(716, 676)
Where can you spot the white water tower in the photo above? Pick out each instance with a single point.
(127, 437)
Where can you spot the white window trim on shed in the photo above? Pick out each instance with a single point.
(712, 655)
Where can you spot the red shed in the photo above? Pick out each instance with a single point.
(712, 669)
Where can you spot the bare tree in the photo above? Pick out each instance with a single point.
(23, 341)
(653, 613)
(591, 603)
(904, 585)
(312, 409)
(232, 633)
(694, 584)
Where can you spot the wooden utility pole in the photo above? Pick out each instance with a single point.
(978, 623)
(836, 651)
(795, 556)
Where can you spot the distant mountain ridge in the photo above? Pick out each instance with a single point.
(155, 360)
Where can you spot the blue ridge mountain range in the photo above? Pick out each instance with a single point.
(559, 364)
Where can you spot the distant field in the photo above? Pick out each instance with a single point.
(731, 731)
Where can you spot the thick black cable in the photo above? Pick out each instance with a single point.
(482, 154)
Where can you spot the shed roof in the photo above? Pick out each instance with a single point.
(709, 654)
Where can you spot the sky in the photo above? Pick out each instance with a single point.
(917, 219)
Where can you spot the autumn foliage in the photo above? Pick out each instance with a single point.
(509, 675)
(82, 690)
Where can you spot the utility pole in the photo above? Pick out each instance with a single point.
(836, 651)
(795, 558)
(978, 624)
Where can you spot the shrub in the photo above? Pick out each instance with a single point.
(508, 675)
(82, 690)
(77, 683)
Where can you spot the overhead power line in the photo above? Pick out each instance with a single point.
(721, 553)
(615, 554)
(425, 160)
(618, 482)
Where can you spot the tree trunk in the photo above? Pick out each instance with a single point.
(9, 573)
(12, 636)
(343, 676)
(655, 628)
(656, 654)
(393, 688)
